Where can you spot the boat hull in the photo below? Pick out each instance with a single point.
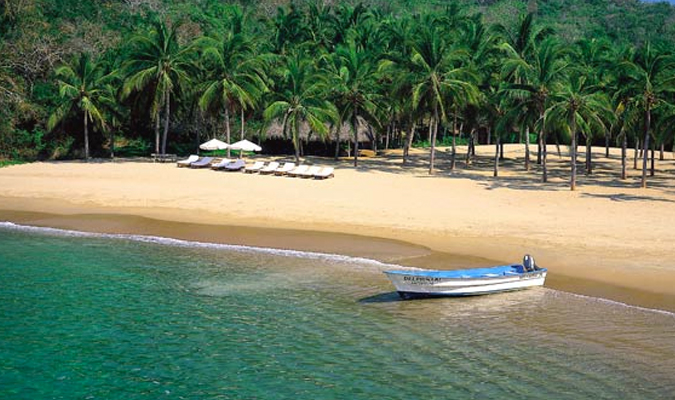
(418, 285)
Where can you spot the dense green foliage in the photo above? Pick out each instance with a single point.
(77, 76)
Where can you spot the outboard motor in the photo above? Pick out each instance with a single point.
(528, 263)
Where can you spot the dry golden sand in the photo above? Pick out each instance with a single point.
(609, 238)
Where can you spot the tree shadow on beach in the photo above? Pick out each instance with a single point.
(606, 171)
(626, 197)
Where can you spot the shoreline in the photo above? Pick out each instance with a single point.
(602, 240)
(379, 249)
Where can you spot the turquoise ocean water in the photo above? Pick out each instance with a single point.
(111, 317)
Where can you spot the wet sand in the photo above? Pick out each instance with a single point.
(609, 239)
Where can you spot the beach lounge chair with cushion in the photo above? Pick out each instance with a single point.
(204, 162)
(309, 173)
(221, 164)
(236, 165)
(326, 172)
(187, 161)
(270, 168)
(300, 169)
(283, 170)
(256, 167)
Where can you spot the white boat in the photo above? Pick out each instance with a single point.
(467, 282)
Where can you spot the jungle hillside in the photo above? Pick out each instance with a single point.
(106, 78)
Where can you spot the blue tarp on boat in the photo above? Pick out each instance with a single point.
(466, 273)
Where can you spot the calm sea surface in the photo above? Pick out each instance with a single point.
(87, 317)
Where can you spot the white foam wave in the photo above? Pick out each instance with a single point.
(361, 261)
(616, 303)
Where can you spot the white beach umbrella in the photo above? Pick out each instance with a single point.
(245, 145)
(214, 144)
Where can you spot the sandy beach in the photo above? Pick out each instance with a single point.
(609, 238)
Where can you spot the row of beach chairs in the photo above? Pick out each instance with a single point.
(260, 167)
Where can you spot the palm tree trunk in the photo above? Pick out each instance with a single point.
(589, 164)
(337, 141)
(390, 130)
(544, 152)
(635, 156)
(624, 146)
(167, 116)
(495, 172)
(296, 138)
(409, 140)
(662, 149)
(469, 147)
(355, 128)
(573, 156)
(501, 150)
(433, 130)
(373, 136)
(645, 147)
(651, 169)
(557, 146)
(112, 144)
(540, 138)
(542, 148)
(227, 129)
(157, 123)
(527, 148)
(454, 140)
(607, 144)
(86, 135)
(243, 123)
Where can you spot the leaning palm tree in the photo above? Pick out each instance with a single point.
(236, 75)
(650, 73)
(158, 63)
(300, 98)
(572, 110)
(84, 88)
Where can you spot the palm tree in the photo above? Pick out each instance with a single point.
(535, 77)
(573, 109)
(395, 75)
(352, 82)
(84, 87)
(437, 75)
(521, 44)
(592, 58)
(236, 76)
(160, 65)
(650, 73)
(299, 98)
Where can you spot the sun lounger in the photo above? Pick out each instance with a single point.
(270, 168)
(256, 167)
(309, 173)
(236, 165)
(187, 161)
(297, 170)
(204, 162)
(326, 172)
(283, 170)
(221, 164)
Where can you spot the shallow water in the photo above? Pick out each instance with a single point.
(87, 317)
